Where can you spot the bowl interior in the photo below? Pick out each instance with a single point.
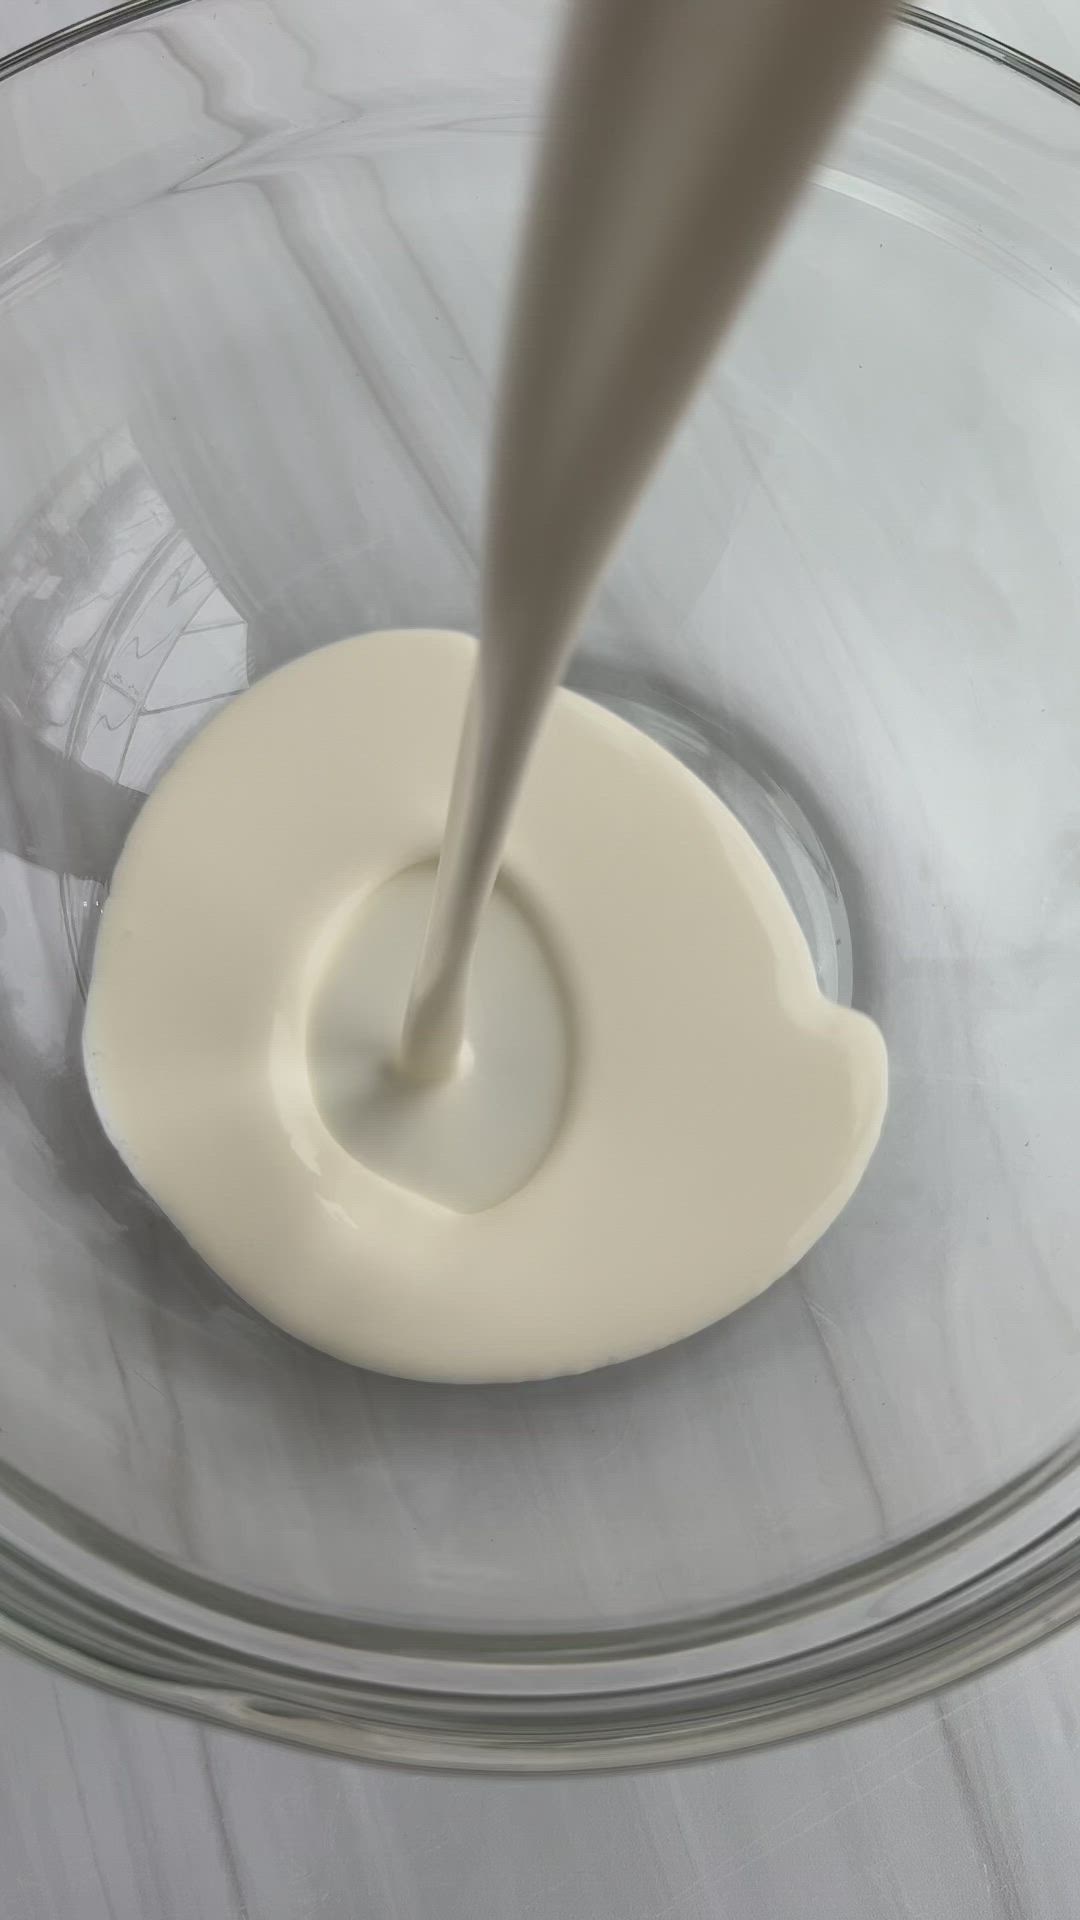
(248, 337)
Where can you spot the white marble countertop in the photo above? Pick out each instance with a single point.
(964, 1805)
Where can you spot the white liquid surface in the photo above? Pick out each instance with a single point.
(717, 1111)
(474, 1136)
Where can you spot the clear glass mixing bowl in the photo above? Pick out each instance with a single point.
(252, 260)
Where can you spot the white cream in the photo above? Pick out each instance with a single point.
(627, 1109)
(718, 1111)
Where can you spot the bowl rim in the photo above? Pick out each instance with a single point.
(89, 1602)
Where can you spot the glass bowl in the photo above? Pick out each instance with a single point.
(252, 265)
